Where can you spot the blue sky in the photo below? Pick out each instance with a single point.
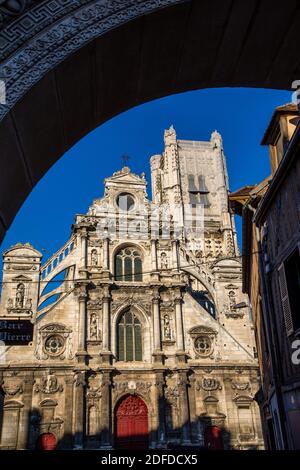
(240, 115)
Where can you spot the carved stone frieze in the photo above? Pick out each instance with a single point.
(60, 28)
(48, 384)
(132, 386)
(208, 384)
(12, 387)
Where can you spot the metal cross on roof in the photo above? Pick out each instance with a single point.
(125, 159)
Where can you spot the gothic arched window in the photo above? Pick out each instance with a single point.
(128, 265)
(129, 338)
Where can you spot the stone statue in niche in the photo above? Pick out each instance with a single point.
(93, 327)
(232, 300)
(20, 295)
(94, 258)
(164, 261)
(167, 328)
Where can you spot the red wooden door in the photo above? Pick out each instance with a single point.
(131, 424)
(213, 438)
(47, 441)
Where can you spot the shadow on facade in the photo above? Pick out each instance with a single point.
(202, 434)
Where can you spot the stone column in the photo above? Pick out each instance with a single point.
(68, 416)
(153, 255)
(106, 253)
(24, 422)
(79, 421)
(174, 254)
(192, 396)
(159, 437)
(105, 411)
(106, 333)
(82, 296)
(184, 418)
(83, 252)
(179, 324)
(157, 353)
(234, 233)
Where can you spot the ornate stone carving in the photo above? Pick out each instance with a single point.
(203, 341)
(12, 387)
(132, 407)
(164, 261)
(168, 333)
(132, 386)
(10, 9)
(172, 395)
(80, 292)
(94, 387)
(94, 332)
(94, 258)
(96, 243)
(19, 301)
(22, 267)
(48, 384)
(79, 379)
(208, 384)
(95, 304)
(54, 342)
(240, 385)
(68, 25)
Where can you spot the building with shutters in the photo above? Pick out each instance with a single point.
(271, 277)
(141, 333)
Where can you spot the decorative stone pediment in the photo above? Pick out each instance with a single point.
(199, 330)
(231, 286)
(243, 399)
(125, 176)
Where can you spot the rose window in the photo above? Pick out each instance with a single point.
(203, 345)
(54, 345)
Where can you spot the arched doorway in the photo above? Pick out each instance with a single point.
(213, 438)
(131, 423)
(46, 441)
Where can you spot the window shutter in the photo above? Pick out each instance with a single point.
(285, 300)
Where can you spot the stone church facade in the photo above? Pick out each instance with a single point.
(141, 333)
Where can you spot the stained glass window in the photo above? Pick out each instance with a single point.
(129, 338)
(128, 265)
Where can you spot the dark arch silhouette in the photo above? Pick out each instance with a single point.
(84, 65)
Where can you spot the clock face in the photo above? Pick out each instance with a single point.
(125, 202)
